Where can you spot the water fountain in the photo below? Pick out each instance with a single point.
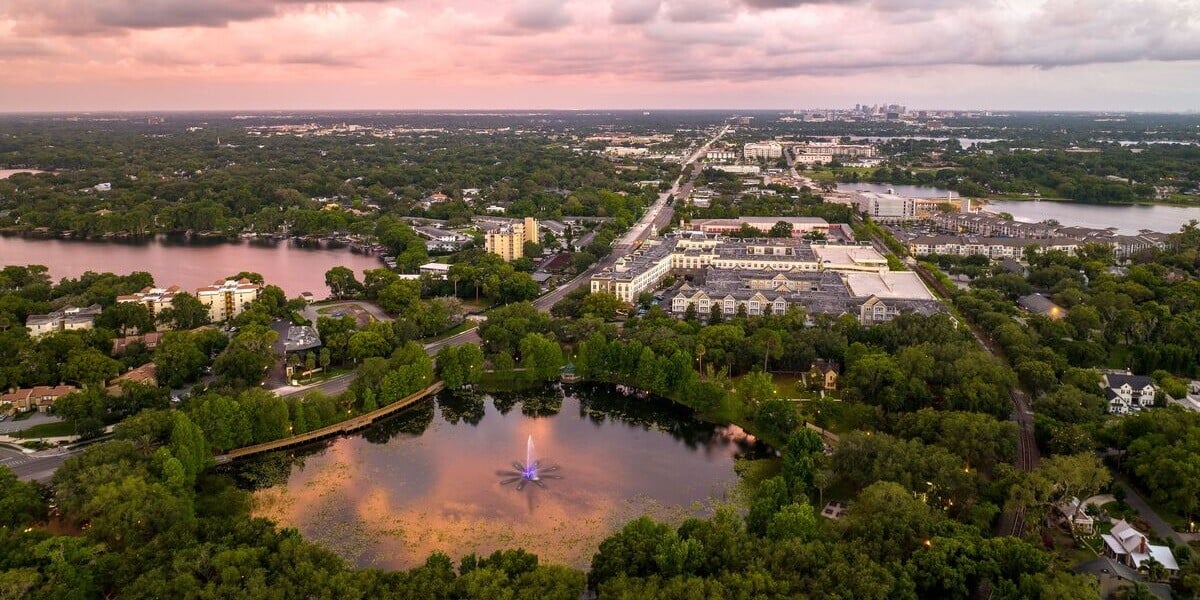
(531, 470)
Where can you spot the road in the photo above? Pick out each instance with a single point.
(39, 466)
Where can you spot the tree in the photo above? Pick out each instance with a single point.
(189, 447)
(342, 283)
(186, 312)
(782, 229)
(460, 365)
(793, 521)
(89, 366)
(20, 502)
(601, 305)
(366, 344)
(126, 318)
(541, 356)
(178, 359)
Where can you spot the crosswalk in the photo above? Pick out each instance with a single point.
(12, 461)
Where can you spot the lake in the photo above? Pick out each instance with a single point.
(910, 191)
(430, 478)
(188, 264)
(1127, 219)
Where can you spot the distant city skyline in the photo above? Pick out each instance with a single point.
(147, 55)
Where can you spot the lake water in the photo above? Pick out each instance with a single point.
(429, 479)
(1127, 219)
(190, 265)
(6, 173)
(911, 191)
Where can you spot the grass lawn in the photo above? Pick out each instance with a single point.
(475, 306)
(61, 428)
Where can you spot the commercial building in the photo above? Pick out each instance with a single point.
(227, 299)
(767, 275)
(886, 208)
(435, 270)
(154, 299)
(800, 225)
(67, 319)
(770, 150)
(508, 240)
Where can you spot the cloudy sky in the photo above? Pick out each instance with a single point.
(290, 54)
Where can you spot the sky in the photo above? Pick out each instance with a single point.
(96, 55)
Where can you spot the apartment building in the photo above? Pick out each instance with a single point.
(991, 247)
(154, 299)
(227, 299)
(770, 150)
(67, 319)
(508, 240)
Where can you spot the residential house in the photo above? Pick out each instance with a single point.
(1041, 305)
(1075, 517)
(149, 340)
(824, 373)
(146, 374)
(1126, 392)
(40, 397)
(1132, 548)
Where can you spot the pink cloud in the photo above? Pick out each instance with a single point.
(520, 48)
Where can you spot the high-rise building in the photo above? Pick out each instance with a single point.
(227, 299)
(508, 241)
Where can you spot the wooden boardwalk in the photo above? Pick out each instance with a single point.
(341, 428)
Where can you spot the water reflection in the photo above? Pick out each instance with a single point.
(387, 499)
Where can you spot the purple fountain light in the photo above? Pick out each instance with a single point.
(530, 470)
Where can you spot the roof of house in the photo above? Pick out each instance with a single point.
(1036, 303)
(1137, 382)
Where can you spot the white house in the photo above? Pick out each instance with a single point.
(1126, 392)
(1131, 547)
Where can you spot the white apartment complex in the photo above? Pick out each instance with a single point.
(991, 247)
(154, 299)
(227, 299)
(770, 150)
(67, 319)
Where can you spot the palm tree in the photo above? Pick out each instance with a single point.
(700, 356)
